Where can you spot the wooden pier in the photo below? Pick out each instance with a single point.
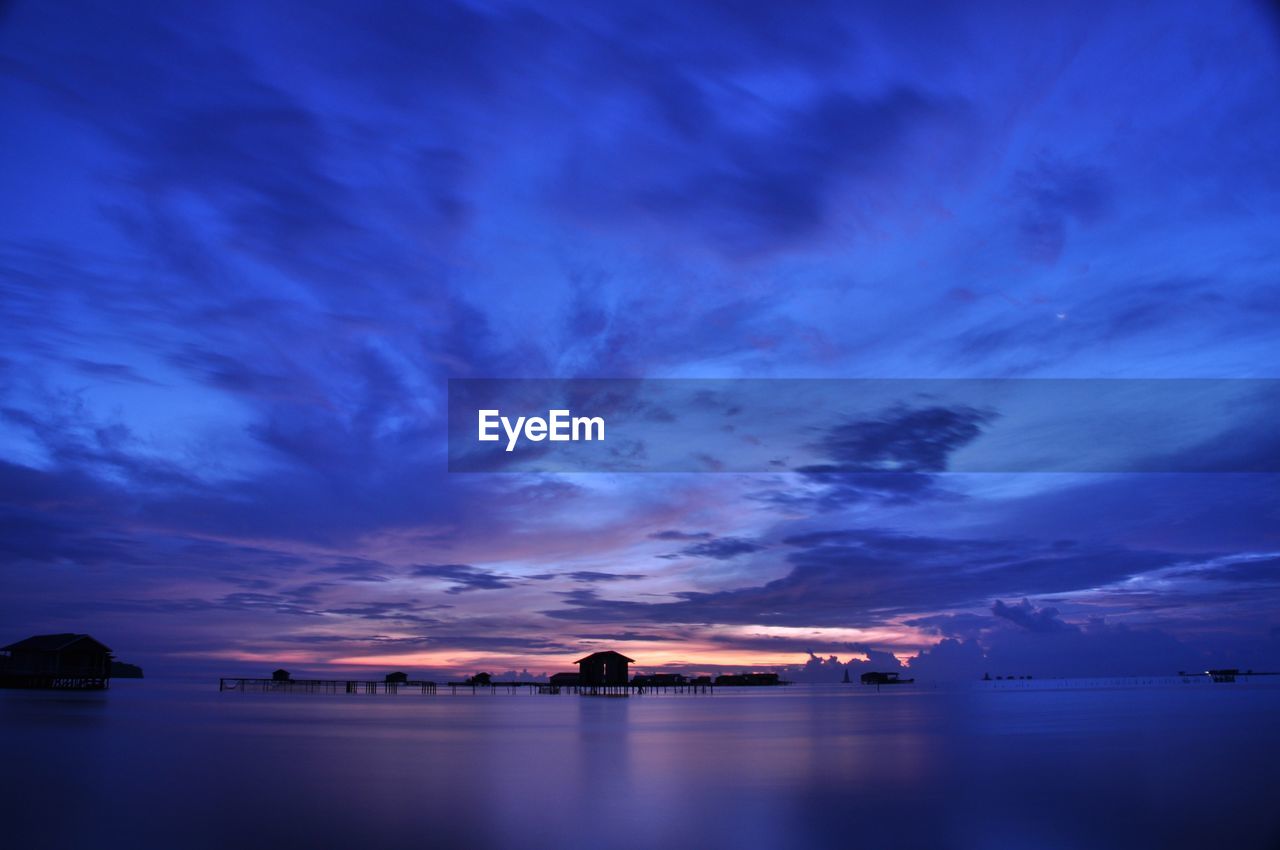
(583, 690)
(56, 683)
(378, 686)
(624, 690)
(324, 686)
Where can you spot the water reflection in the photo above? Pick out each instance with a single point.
(150, 765)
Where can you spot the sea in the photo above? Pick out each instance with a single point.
(1072, 764)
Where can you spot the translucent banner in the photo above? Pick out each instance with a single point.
(864, 425)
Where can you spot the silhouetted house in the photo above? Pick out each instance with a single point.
(281, 675)
(396, 678)
(480, 679)
(56, 661)
(565, 680)
(884, 679)
(603, 668)
(752, 679)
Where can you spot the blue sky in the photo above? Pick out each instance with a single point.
(243, 249)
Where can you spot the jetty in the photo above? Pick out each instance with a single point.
(412, 686)
(325, 686)
(603, 674)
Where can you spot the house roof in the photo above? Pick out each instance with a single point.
(608, 653)
(52, 643)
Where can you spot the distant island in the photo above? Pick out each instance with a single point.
(121, 670)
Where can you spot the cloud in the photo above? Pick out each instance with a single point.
(622, 636)
(748, 191)
(902, 439)
(593, 577)
(1029, 617)
(825, 491)
(1246, 442)
(952, 660)
(1134, 310)
(1054, 194)
(863, 577)
(111, 371)
(719, 548)
(1038, 642)
(394, 611)
(673, 534)
(1254, 571)
(464, 577)
(890, 459)
(356, 569)
(831, 669)
(961, 625)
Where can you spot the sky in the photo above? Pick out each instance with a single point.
(244, 247)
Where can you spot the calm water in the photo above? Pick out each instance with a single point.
(150, 764)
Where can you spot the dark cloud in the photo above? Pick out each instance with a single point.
(952, 659)
(1252, 571)
(831, 669)
(111, 371)
(1140, 307)
(673, 534)
(1185, 512)
(1033, 619)
(593, 577)
(495, 642)
(865, 577)
(1054, 195)
(720, 548)
(962, 625)
(1247, 444)
(890, 459)
(395, 611)
(1072, 652)
(824, 491)
(744, 192)
(902, 439)
(464, 577)
(297, 602)
(356, 569)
